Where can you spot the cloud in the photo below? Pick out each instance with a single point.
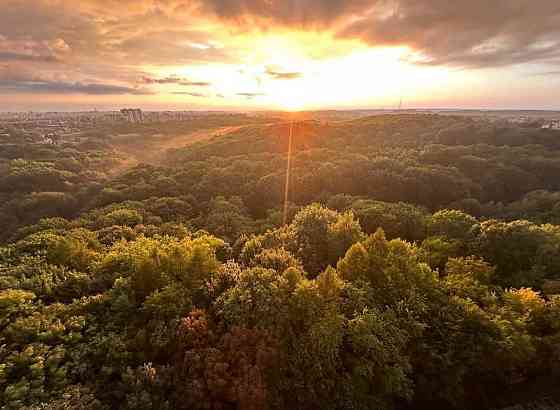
(13, 83)
(195, 83)
(474, 33)
(92, 38)
(105, 46)
(30, 50)
(67, 88)
(9, 56)
(278, 74)
(301, 13)
(165, 80)
(462, 33)
(167, 47)
(282, 75)
(548, 73)
(250, 95)
(59, 26)
(174, 80)
(190, 94)
(285, 76)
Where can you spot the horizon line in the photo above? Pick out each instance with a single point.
(268, 110)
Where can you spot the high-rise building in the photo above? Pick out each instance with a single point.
(133, 114)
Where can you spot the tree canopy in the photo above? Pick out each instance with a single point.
(419, 268)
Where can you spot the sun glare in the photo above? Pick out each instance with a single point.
(292, 105)
(294, 72)
(290, 97)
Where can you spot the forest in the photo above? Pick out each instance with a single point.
(419, 267)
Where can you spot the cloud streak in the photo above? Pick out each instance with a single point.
(282, 75)
(174, 80)
(548, 73)
(9, 56)
(195, 83)
(250, 95)
(15, 84)
(192, 94)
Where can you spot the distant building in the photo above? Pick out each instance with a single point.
(552, 125)
(49, 139)
(520, 120)
(133, 114)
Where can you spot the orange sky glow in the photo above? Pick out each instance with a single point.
(264, 54)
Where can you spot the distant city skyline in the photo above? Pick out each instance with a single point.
(62, 55)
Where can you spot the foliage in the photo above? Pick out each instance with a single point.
(409, 274)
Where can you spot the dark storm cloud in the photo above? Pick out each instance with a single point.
(282, 75)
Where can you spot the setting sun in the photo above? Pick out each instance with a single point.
(307, 71)
(290, 103)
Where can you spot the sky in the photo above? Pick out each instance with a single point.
(279, 54)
